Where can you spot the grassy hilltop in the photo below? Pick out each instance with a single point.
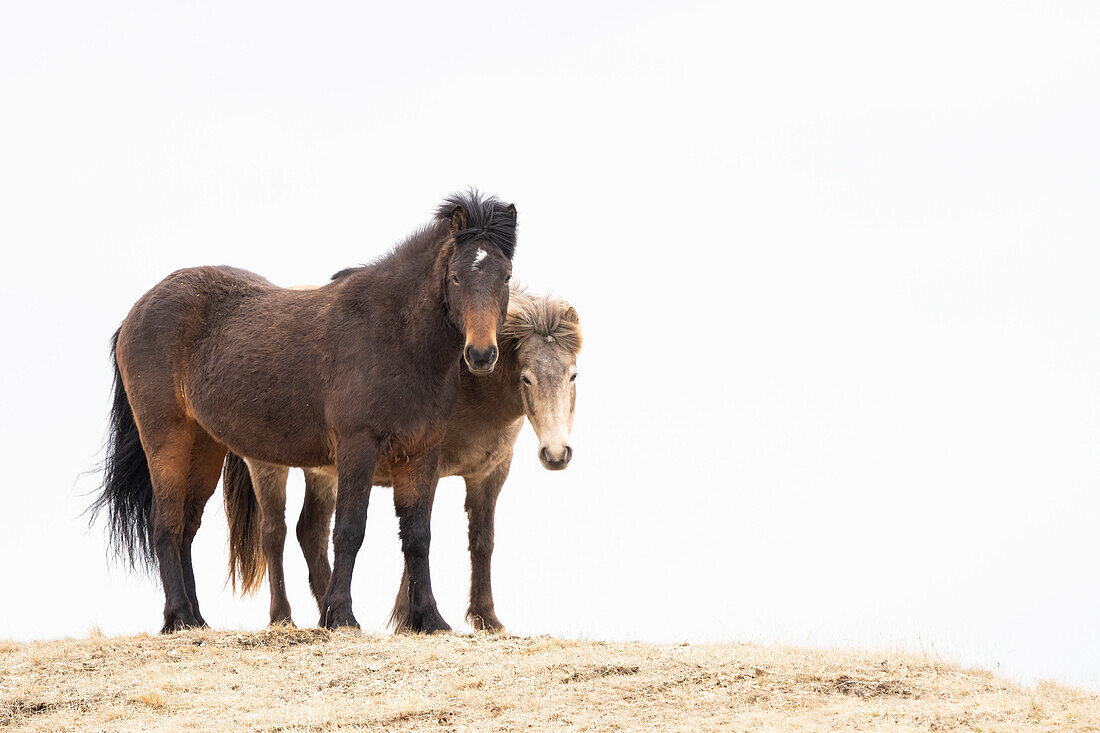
(289, 679)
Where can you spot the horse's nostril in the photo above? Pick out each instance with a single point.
(555, 461)
(481, 357)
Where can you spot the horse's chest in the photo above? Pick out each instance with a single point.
(413, 403)
(407, 446)
(398, 451)
(407, 416)
(476, 454)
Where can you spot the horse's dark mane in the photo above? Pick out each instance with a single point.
(345, 272)
(487, 218)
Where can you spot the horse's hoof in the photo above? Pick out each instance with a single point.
(485, 621)
(428, 622)
(181, 621)
(280, 616)
(337, 617)
(284, 621)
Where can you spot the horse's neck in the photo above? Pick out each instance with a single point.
(433, 334)
(499, 391)
(418, 261)
(422, 315)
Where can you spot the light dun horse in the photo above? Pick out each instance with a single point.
(361, 374)
(535, 377)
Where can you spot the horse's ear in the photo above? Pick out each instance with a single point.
(511, 209)
(446, 252)
(569, 315)
(458, 219)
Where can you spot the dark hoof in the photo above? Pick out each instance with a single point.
(174, 622)
(284, 621)
(280, 616)
(485, 621)
(425, 622)
(336, 617)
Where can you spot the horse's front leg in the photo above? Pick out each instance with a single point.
(481, 503)
(356, 459)
(400, 618)
(413, 493)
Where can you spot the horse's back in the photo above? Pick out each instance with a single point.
(221, 345)
(176, 307)
(186, 294)
(174, 312)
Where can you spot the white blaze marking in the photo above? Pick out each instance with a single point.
(481, 254)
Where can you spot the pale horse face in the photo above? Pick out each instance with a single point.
(548, 374)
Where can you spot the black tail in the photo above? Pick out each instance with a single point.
(127, 491)
(247, 561)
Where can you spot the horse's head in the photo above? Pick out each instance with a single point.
(482, 236)
(548, 338)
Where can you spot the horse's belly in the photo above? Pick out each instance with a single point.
(259, 428)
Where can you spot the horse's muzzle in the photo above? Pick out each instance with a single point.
(555, 460)
(481, 361)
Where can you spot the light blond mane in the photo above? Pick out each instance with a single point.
(544, 317)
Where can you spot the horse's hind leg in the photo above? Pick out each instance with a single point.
(207, 457)
(313, 529)
(189, 571)
(269, 482)
(481, 502)
(169, 457)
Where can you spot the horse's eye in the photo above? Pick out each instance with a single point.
(526, 380)
(508, 278)
(454, 279)
(573, 377)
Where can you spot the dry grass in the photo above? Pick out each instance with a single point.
(289, 680)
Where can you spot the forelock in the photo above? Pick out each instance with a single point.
(540, 317)
(487, 218)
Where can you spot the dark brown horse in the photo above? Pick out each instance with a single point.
(361, 374)
(535, 377)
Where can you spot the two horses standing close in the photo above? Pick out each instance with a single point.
(357, 382)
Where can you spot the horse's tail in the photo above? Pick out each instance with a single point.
(399, 616)
(247, 562)
(127, 490)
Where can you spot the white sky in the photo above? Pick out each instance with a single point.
(837, 266)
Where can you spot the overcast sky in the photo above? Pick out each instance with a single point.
(836, 264)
